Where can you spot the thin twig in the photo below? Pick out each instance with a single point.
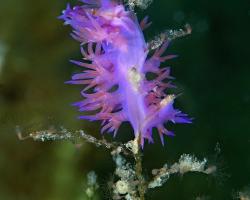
(169, 35)
(138, 170)
(53, 134)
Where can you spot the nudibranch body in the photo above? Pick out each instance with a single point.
(115, 63)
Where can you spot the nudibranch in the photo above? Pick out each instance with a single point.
(114, 67)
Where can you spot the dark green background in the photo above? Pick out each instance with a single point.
(212, 71)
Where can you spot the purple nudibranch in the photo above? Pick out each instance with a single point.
(115, 64)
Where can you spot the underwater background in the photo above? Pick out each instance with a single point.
(212, 73)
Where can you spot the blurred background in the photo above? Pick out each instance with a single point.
(212, 71)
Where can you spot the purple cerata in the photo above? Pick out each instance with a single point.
(115, 63)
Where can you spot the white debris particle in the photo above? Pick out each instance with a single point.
(189, 163)
(159, 181)
(122, 187)
(124, 172)
(133, 146)
(92, 177)
(92, 184)
(89, 192)
(119, 160)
